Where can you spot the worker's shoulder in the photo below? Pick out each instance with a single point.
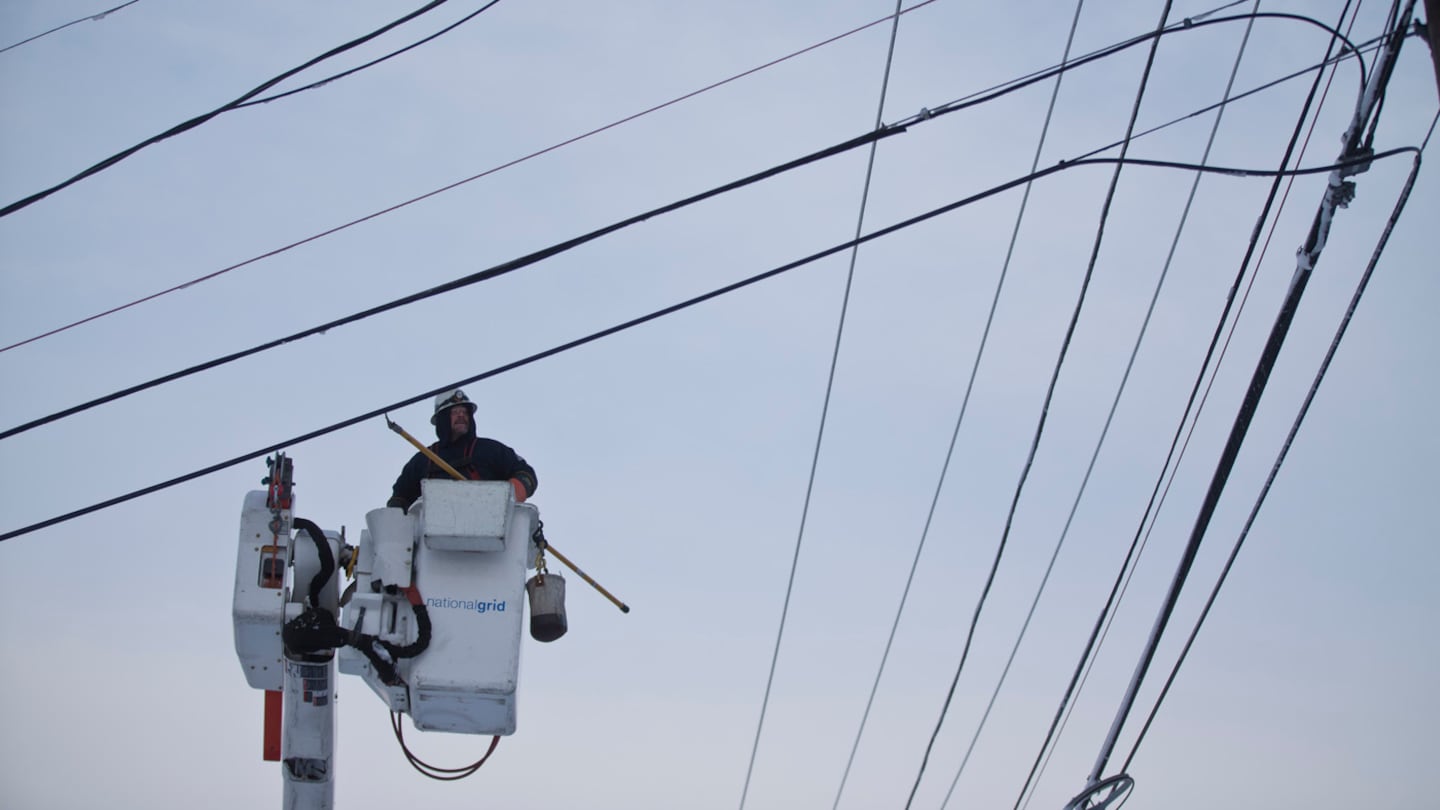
(483, 444)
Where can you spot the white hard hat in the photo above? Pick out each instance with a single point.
(445, 400)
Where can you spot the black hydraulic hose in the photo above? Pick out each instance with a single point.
(327, 558)
(422, 627)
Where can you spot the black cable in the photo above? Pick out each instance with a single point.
(1307, 256)
(532, 258)
(1179, 430)
(383, 655)
(464, 281)
(102, 15)
(423, 627)
(1178, 458)
(1295, 427)
(1006, 89)
(456, 184)
(1284, 451)
(315, 632)
(975, 371)
(1154, 506)
(384, 667)
(1045, 405)
(1369, 46)
(686, 304)
(1114, 406)
(373, 62)
(202, 118)
(322, 550)
(825, 413)
(998, 91)
(1397, 38)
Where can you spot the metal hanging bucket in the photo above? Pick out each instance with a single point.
(547, 606)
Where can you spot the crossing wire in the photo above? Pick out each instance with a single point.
(686, 304)
(373, 62)
(1307, 258)
(1134, 352)
(1340, 331)
(467, 280)
(824, 407)
(1189, 24)
(1215, 369)
(202, 118)
(1045, 406)
(1061, 712)
(1284, 451)
(890, 129)
(97, 17)
(1179, 458)
(1368, 46)
(435, 192)
(960, 418)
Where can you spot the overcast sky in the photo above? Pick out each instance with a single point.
(674, 459)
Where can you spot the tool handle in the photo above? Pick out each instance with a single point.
(624, 608)
(439, 462)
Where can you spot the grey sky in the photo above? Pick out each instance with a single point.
(673, 459)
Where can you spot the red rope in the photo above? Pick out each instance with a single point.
(426, 768)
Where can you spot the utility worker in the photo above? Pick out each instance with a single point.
(473, 457)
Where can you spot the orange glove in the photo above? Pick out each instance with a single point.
(519, 490)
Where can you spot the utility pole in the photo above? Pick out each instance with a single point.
(1338, 193)
(1432, 25)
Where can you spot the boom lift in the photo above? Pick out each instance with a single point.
(430, 619)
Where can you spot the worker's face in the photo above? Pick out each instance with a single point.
(459, 420)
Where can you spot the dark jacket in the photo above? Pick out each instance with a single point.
(476, 458)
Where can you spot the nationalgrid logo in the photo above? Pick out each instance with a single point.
(477, 605)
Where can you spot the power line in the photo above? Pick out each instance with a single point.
(463, 281)
(824, 407)
(965, 102)
(1230, 335)
(476, 277)
(200, 119)
(373, 62)
(1224, 350)
(886, 231)
(1284, 451)
(1061, 712)
(994, 304)
(1305, 263)
(1045, 73)
(1134, 352)
(960, 418)
(277, 251)
(1369, 46)
(97, 17)
(1191, 24)
(1049, 396)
